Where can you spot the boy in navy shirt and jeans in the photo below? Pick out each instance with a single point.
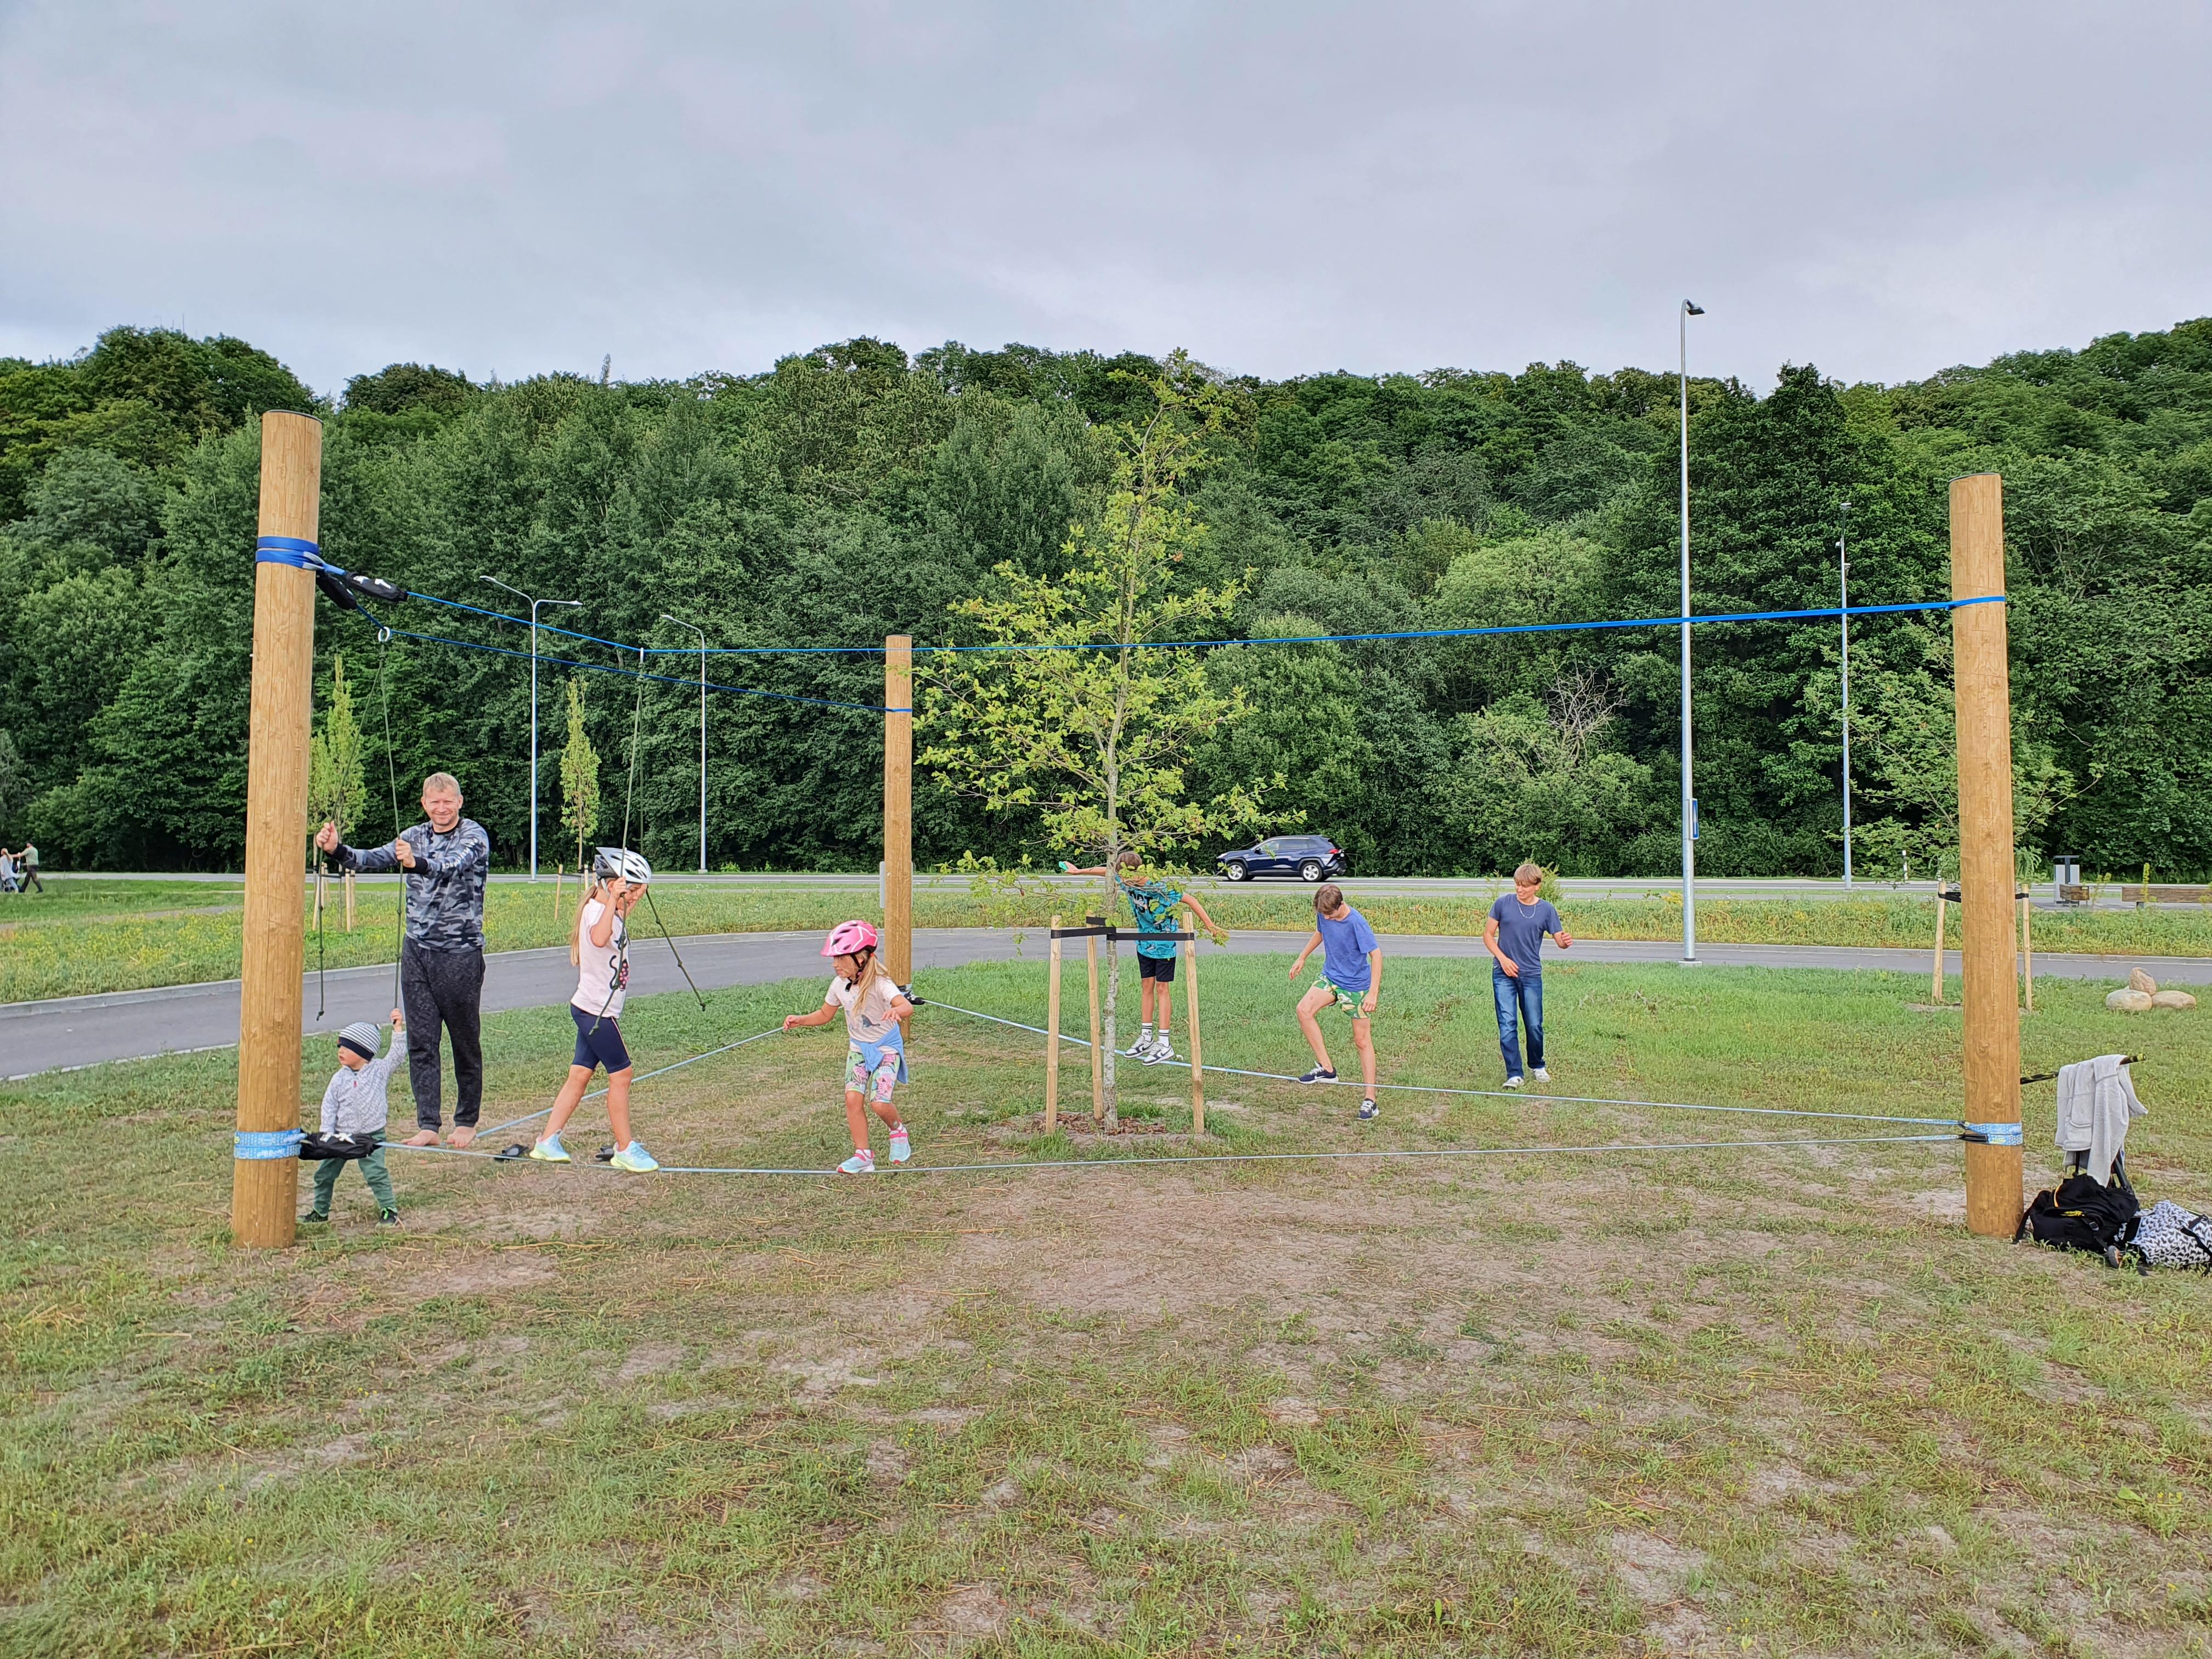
(1514, 936)
(1351, 981)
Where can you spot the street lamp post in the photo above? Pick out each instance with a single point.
(702, 633)
(1689, 796)
(1844, 602)
(534, 604)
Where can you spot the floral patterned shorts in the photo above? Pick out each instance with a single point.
(860, 1081)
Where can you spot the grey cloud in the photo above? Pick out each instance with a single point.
(1883, 189)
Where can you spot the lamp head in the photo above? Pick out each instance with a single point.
(1691, 309)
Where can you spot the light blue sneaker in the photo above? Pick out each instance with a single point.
(634, 1158)
(550, 1150)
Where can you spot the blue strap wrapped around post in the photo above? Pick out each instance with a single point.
(262, 1144)
(294, 550)
(1994, 1134)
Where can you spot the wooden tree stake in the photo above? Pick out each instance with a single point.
(1197, 1050)
(264, 1189)
(1098, 1042)
(898, 808)
(2027, 957)
(1052, 1040)
(1935, 980)
(1987, 868)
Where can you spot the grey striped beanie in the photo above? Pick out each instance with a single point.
(361, 1037)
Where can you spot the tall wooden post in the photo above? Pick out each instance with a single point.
(1052, 1042)
(1982, 684)
(1935, 974)
(265, 1185)
(1197, 1048)
(898, 808)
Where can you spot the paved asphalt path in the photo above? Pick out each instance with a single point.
(69, 1031)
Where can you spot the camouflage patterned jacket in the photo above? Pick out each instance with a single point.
(446, 889)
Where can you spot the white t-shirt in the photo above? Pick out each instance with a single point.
(871, 1021)
(604, 970)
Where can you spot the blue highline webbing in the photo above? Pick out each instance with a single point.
(634, 673)
(294, 550)
(1694, 621)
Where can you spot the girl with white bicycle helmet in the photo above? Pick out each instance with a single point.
(875, 1054)
(600, 949)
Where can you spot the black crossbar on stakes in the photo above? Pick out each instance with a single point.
(1111, 931)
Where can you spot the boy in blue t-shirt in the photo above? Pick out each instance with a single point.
(1350, 981)
(1152, 902)
(1514, 936)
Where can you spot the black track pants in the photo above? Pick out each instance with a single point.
(443, 988)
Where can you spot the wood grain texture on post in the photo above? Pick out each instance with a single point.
(898, 808)
(264, 1177)
(1989, 992)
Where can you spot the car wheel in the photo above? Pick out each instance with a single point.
(1309, 871)
(1236, 871)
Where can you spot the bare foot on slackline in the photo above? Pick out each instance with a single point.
(422, 1138)
(461, 1136)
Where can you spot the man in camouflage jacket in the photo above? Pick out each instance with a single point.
(441, 958)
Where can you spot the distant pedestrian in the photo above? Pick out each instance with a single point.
(1514, 936)
(441, 960)
(27, 863)
(7, 884)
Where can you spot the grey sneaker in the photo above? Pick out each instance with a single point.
(1161, 1050)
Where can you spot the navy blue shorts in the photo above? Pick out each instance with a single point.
(599, 1041)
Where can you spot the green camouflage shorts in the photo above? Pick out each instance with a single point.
(1345, 1002)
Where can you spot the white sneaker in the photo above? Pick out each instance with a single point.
(901, 1147)
(859, 1164)
(1512, 1082)
(1161, 1050)
(1136, 1051)
(1541, 1075)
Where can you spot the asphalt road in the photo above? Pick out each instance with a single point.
(71, 1031)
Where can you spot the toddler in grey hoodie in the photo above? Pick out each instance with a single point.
(353, 1104)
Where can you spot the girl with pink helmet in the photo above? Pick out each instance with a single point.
(875, 1054)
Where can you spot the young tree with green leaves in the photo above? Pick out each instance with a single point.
(579, 775)
(1089, 727)
(338, 785)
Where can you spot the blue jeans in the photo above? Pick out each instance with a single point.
(1520, 1002)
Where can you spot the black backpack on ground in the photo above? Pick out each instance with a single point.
(2083, 1214)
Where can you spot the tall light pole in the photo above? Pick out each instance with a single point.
(1844, 602)
(1689, 797)
(534, 604)
(702, 633)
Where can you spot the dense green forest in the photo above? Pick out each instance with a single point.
(853, 492)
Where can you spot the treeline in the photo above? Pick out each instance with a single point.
(853, 492)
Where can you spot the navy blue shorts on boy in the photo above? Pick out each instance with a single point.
(599, 1041)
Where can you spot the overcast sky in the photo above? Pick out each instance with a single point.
(1882, 189)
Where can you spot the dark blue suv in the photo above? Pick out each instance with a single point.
(1309, 858)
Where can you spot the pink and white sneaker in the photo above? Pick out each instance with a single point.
(902, 1148)
(859, 1164)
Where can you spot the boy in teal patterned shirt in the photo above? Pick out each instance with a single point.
(1152, 901)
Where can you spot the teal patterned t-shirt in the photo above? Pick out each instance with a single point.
(1152, 903)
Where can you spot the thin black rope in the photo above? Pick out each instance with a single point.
(391, 778)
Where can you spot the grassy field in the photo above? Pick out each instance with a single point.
(131, 935)
(1731, 1400)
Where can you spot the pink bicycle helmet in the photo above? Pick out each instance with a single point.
(849, 938)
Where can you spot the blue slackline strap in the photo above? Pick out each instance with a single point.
(261, 1145)
(1994, 1134)
(294, 550)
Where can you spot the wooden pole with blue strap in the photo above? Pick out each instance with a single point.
(265, 1168)
(1989, 992)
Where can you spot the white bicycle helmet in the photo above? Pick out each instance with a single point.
(620, 864)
